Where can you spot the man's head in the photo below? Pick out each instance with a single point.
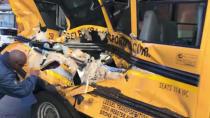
(17, 59)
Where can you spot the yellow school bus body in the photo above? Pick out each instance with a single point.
(138, 93)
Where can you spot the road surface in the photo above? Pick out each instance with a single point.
(11, 107)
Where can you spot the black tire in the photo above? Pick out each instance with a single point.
(63, 108)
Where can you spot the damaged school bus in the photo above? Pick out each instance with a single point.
(117, 58)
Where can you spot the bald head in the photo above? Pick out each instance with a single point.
(17, 59)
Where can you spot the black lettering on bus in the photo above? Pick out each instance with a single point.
(129, 45)
(134, 48)
(104, 113)
(109, 103)
(80, 33)
(73, 35)
(67, 36)
(118, 113)
(90, 29)
(106, 108)
(51, 36)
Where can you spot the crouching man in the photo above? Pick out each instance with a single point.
(10, 63)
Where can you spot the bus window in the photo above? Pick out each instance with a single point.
(172, 23)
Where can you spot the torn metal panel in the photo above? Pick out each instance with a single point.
(95, 72)
(27, 16)
(78, 54)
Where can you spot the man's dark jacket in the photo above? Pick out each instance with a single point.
(9, 82)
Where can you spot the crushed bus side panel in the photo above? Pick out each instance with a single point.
(109, 67)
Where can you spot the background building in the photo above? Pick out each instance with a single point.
(7, 18)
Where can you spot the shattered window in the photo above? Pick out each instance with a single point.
(119, 14)
(83, 12)
(48, 13)
(171, 22)
(79, 12)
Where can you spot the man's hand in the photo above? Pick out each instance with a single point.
(35, 73)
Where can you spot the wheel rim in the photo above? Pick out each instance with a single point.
(47, 110)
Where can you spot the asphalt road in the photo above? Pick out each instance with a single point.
(11, 107)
